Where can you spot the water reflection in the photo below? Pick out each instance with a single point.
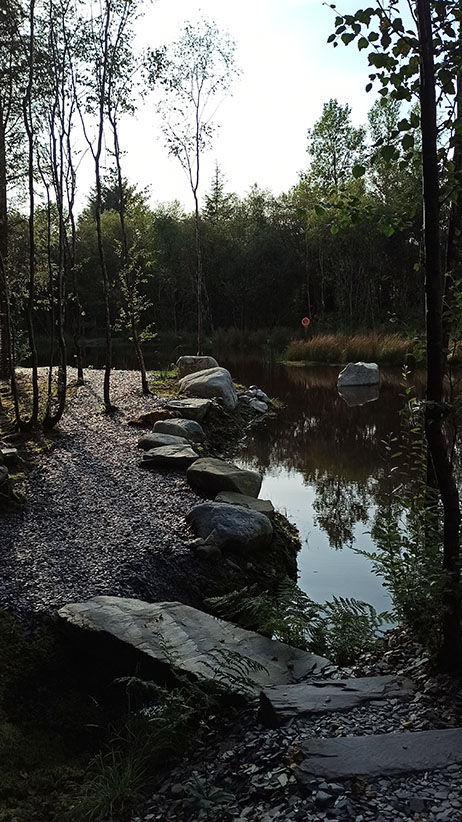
(359, 394)
(322, 460)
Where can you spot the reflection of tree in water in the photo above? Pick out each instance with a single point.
(339, 505)
(338, 449)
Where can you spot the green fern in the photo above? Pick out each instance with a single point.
(341, 629)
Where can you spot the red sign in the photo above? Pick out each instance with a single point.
(305, 322)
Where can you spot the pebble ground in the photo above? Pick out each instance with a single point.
(95, 523)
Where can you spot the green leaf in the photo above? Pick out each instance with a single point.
(319, 210)
(348, 37)
(407, 142)
(369, 86)
(334, 229)
(358, 171)
(388, 230)
(388, 153)
(404, 125)
(363, 43)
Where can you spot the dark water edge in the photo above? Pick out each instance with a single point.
(322, 461)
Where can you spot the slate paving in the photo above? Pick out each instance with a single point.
(255, 768)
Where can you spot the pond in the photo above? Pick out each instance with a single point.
(322, 460)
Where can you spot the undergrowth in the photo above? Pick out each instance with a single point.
(340, 629)
(408, 530)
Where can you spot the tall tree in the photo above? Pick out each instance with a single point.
(106, 39)
(335, 146)
(13, 67)
(425, 62)
(199, 69)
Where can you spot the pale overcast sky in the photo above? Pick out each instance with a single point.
(287, 72)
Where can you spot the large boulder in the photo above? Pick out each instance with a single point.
(191, 409)
(157, 440)
(201, 645)
(231, 526)
(359, 373)
(189, 429)
(210, 475)
(187, 365)
(169, 456)
(263, 506)
(213, 382)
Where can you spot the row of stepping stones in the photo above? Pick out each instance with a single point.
(236, 518)
(288, 682)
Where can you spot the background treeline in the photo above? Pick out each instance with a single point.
(334, 247)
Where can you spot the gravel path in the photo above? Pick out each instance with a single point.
(97, 523)
(248, 774)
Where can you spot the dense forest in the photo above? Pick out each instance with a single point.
(334, 247)
(342, 246)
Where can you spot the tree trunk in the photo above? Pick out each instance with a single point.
(450, 654)
(28, 122)
(199, 277)
(4, 331)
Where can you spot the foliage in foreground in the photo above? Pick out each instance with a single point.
(341, 629)
(408, 531)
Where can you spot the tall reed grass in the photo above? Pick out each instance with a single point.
(341, 348)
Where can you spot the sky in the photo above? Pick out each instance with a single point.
(287, 72)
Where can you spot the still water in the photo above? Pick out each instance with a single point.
(322, 460)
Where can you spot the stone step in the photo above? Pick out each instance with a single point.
(328, 695)
(169, 456)
(380, 755)
(185, 638)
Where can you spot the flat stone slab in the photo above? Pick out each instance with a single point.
(263, 506)
(189, 429)
(191, 409)
(201, 645)
(230, 526)
(9, 455)
(329, 695)
(169, 456)
(190, 364)
(211, 475)
(213, 382)
(157, 440)
(381, 755)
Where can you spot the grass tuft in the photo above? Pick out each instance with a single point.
(392, 349)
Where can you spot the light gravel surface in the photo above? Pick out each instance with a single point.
(96, 523)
